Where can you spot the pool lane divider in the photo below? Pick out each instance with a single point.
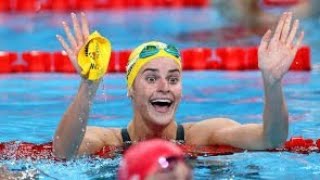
(280, 2)
(26, 150)
(35, 6)
(193, 59)
(6, 61)
(73, 5)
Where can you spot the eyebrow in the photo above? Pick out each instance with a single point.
(156, 70)
(174, 70)
(150, 69)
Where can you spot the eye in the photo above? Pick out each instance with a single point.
(151, 79)
(173, 80)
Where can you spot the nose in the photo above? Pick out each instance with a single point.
(163, 85)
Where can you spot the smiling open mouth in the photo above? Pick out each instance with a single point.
(161, 105)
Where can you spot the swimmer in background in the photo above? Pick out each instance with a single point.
(154, 85)
(257, 17)
(247, 20)
(154, 160)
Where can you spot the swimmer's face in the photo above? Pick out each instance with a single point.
(156, 91)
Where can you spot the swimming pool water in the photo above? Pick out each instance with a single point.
(31, 105)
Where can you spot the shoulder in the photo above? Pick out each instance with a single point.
(200, 132)
(96, 138)
(213, 123)
(109, 136)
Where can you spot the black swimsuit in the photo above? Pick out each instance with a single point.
(127, 140)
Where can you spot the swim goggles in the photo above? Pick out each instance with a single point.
(152, 50)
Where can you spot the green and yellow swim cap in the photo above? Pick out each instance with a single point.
(146, 52)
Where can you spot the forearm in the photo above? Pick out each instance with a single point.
(72, 127)
(275, 116)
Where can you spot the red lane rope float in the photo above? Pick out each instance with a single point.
(197, 3)
(195, 58)
(251, 58)
(5, 6)
(112, 63)
(57, 5)
(19, 68)
(22, 150)
(27, 6)
(118, 5)
(232, 58)
(302, 60)
(62, 63)
(123, 57)
(200, 58)
(6, 61)
(214, 150)
(280, 2)
(173, 3)
(37, 61)
(86, 5)
(71, 5)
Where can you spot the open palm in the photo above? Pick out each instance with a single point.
(276, 54)
(76, 41)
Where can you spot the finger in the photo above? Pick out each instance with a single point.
(286, 27)
(299, 41)
(72, 58)
(279, 27)
(297, 46)
(265, 41)
(70, 37)
(68, 51)
(85, 26)
(65, 46)
(292, 33)
(77, 29)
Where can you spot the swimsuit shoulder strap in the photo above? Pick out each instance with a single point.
(180, 134)
(179, 137)
(125, 135)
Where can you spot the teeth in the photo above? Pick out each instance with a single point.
(161, 101)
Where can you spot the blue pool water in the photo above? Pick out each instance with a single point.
(31, 105)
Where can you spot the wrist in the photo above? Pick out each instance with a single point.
(90, 87)
(270, 79)
(90, 83)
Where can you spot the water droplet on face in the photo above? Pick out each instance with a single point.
(57, 137)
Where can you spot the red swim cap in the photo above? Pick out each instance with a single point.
(142, 159)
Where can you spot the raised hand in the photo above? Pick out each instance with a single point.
(276, 54)
(76, 40)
